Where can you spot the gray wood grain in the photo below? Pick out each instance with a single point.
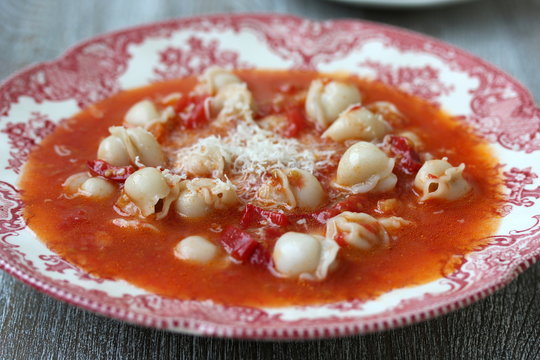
(506, 325)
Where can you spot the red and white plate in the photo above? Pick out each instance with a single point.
(497, 106)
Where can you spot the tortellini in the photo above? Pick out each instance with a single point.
(82, 184)
(292, 188)
(215, 79)
(142, 114)
(210, 162)
(200, 196)
(230, 95)
(233, 100)
(192, 205)
(438, 179)
(306, 188)
(327, 99)
(196, 249)
(357, 123)
(357, 229)
(74, 182)
(364, 167)
(97, 187)
(112, 150)
(125, 146)
(388, 111)
(276, 191)
(146, 187)
(305, 256)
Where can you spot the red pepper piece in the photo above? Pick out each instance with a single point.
(296, 122)
(191, 111)
(409, 162)
(238, 243)
(272, 233)
(254, 213)
(241, 246)
(351, 203)
(248, 215)
(111, 172)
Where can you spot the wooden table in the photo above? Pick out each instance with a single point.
(505, 325)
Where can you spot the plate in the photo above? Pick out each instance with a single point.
(401, 3)
(498, 107)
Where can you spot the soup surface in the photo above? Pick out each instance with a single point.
(413, 229)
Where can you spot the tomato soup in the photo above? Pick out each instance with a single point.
(287, 197)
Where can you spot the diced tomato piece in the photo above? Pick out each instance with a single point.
(191, 111)
(351, 203)
(296, 122)
(272, 233)
(399, 144)
(238, 243)
(254, 213)
(408, 160)
(275, 218)
(249, 215)
(241, 246)
(111, 172)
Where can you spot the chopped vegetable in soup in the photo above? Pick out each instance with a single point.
(263, 188)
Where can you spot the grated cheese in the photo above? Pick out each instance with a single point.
(252, 152)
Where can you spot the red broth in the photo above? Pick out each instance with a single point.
(80, 229)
